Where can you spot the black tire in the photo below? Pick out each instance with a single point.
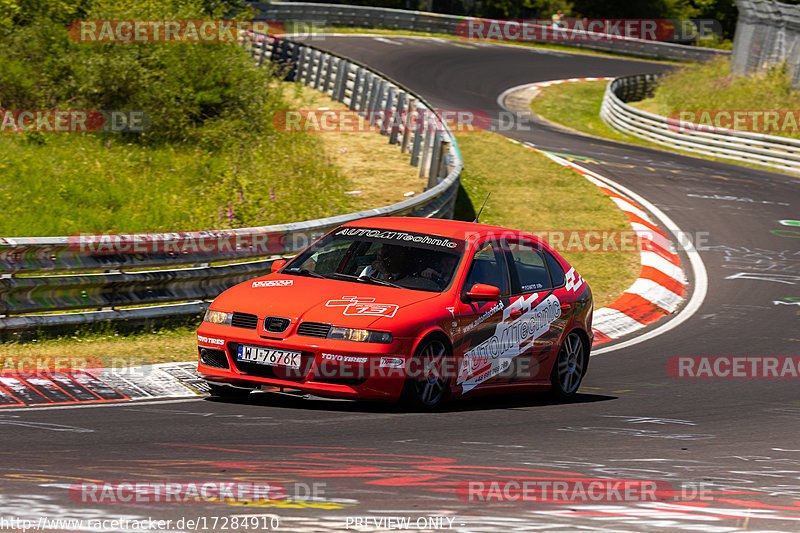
(228, 393)
(569, 367)
(428, 386)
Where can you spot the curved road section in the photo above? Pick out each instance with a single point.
(666, 436)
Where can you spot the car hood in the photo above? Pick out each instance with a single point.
(343, 303)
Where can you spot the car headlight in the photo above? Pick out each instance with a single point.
(218, 317)
(360, 335)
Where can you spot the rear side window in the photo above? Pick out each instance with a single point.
(556, 272)
(531, 270)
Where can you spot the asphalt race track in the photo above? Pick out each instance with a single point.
(724, 453)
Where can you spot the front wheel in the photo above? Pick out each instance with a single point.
(570, 367)
(427, 385)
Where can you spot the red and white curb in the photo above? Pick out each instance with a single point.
(661, 286)
(53, 387)
(501, 100)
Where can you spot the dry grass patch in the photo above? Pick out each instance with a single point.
(111, 349)
(374, 167)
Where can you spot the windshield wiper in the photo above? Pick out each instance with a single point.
(367, 279)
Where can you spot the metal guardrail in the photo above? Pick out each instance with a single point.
(378, 17)
(769, 150)
(38, 274)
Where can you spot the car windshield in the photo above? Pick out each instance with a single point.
(381, 257)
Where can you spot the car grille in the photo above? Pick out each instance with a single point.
(213, 358)
(314, 329)
(244, 320)
(274, 372)
(276, 324)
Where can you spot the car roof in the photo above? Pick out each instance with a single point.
(454, 229)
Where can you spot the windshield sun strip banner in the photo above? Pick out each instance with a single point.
(403, 238)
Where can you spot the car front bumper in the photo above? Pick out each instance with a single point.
(335, 368)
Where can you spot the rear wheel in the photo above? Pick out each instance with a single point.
(570, 367)
(427, 385)
(227, 392)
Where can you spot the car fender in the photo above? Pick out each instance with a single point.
(427, 332)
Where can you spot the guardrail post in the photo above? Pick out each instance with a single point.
(263, 53)
(292, 53)
(365, 91)
(320, 65)
(336, 66)
(352, 69)
(300, 63)
(388, 110)
(282, 53)
(436, 154)
(356, 86)
(341, 80)
(375, 102)
(408, 123)
(328, 74)
(426, 147)
(444, 158)
(420, 127)
(373, 94)
(312, 61)
(400, 119)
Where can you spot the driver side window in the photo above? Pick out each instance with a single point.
(488, 267)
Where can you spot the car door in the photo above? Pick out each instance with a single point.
(476, 346)
(540, 304)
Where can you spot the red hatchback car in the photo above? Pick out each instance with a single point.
(404, 308)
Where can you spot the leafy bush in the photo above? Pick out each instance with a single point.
(183, 87)
(211, 158)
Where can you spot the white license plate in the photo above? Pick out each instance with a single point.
(268, 356)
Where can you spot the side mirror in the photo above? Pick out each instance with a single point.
(277, 265)
(479, 291)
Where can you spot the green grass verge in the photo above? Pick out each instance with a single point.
(577, 106)
(105, 347)
(711, 86)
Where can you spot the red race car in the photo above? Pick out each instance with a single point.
(404, 308)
